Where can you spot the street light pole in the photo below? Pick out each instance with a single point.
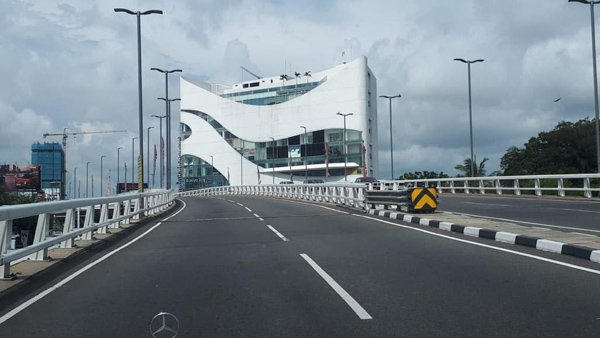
(470, 110)
(138, 14)
(118, 166)
(148, 157)
(345, 150)
(87, 169)
(391, 144)
(161, 148)
(592, 3)
(241, 150)
(75, 182)
(101, 174)
(305, 153)
(168, 114)
(132, 159)
(273, 158)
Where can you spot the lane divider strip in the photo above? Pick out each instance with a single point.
(359, 310)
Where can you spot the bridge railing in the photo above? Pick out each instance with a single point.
(583, 184)
(350, 194)
(81, 218)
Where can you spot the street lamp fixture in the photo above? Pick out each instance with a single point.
(138, 14)
(345, 150)
(118, 171)
(160, 118)
(592, 3)
(87, 170)
(132, 160)
(305, 153)
(241, 151)
(168, 114)
(148, 156)
(391, 144)
(470, 110)
(273, 156)
(101, 173)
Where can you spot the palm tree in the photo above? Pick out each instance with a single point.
(297, 75)
(283, 77)
(466, 167)
(307, 75)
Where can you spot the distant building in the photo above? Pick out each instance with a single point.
(250, 132)
(51, 159)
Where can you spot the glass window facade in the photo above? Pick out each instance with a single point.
(291, 151)
(268, 96)
(50, 157)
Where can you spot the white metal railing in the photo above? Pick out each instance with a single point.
(79, 220)
(516, 184)
(349, 194)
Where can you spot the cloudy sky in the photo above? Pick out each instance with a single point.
(73, 64)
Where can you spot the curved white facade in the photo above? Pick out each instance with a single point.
(346, 88)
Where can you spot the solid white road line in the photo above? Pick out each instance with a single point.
(579, 210)
(572, 266)
(517, 221)
(488, 204)
(359, 310)
(278, 233)
(537, 199)
(46, 292)
(248, 209)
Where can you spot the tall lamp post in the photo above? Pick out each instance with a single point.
(305, 153)
(75, 182)
(101, 173)
(470, 110)
(241, 150)
(132, 159)
(138, 14)
(148, 156)
(161, 147)
(118, 166)
(345, 150)
(168, 145)
(273, 157)
(212, 164)
(87, 170)
(168, 114)
(391, 144)
(592, 3)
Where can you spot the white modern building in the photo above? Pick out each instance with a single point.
(253, 132)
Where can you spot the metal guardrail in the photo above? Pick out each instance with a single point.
(515, 184)
(351, 194)
(114, 211)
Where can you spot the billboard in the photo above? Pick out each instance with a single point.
(24, 178)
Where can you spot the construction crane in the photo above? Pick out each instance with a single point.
(66, 135)
(249, 72)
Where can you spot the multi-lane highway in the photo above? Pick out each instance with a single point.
(576, 214)
(254, 267)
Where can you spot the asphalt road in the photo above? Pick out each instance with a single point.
(558, 214)
(224, 273)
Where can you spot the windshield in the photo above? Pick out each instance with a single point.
(299, 168)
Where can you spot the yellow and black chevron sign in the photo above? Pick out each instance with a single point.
(423, 199)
